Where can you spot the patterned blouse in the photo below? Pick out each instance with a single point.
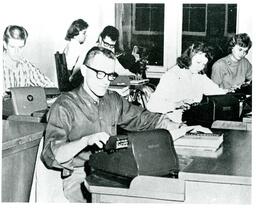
(23, 74)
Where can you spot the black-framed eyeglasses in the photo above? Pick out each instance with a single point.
(106, 44)
(101, 74)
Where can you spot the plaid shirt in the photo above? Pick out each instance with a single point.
(23, 74)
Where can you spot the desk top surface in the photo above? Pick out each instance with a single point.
(17, 129)
(233, 166)
(235, 161)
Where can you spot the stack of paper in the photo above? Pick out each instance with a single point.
(203, 145)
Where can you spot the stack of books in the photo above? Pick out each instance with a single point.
(122, 90)
(200, 144)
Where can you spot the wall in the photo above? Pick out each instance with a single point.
(47, 22)
(245, 22)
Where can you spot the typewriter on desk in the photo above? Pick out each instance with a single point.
(227, 107)
(137, 153)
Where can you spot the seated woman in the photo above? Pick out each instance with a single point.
(76, 36)
(74, 50)
(17, 70)
(183, 84)
(234, 70)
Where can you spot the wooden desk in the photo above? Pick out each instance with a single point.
(226, 179)
(20, 142)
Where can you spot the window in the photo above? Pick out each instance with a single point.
(165, 29)
(194, 19)
(202, 19)
(142, 25)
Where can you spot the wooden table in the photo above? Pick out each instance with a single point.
(20, 142)
(226, 179)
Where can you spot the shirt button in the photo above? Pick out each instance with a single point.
(100, 118)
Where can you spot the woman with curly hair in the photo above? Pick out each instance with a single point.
(184, 83)
(234, 70)
(76, 35)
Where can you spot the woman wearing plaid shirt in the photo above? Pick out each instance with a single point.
(18, 71)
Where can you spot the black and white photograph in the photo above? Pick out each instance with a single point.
(127, 102)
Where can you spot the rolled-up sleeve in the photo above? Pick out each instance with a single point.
(57, 131)
(136, 118)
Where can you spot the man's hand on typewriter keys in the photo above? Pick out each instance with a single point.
(99, 139)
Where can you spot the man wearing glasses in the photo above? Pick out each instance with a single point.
(107, 39)
(89, 115)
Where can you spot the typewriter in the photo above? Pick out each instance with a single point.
(227, 107)
(137, 153)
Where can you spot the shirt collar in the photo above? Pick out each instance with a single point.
(84, 93)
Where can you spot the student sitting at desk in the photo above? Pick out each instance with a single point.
(234, 70)
(107, 39)
(89, 115)
(76, 36)
(183, 84)
(18, 71)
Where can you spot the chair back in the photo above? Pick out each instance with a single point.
(63, 73)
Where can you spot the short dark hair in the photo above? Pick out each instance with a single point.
(15, 32)
(184, 61)
(111, 32)
(242, 39)
(75, 28)
(98, 50)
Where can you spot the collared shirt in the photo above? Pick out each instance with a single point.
(227, 73)
(75, 114)
(23, 74)
(177, 85)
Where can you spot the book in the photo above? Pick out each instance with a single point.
(199, 152)
(204, 141)
(122, 90)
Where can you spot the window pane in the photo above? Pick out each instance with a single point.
(142, 19)
(194, 18)
(197, 19)
(157, 18)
